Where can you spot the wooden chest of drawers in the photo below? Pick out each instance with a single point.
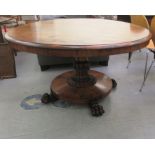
(7, 62)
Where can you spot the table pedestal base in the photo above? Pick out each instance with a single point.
(64, 90)
(82, 86)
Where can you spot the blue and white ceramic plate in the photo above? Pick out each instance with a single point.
(32, 102)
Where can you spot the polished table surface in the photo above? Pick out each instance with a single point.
(81, 39)
(80, 34)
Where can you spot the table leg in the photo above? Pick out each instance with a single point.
(47, 98)
(81, 86)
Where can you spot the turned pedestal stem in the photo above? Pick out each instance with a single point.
(81, 77)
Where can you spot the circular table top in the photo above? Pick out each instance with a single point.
(79, 34)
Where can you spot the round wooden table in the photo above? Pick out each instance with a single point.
(80, 39)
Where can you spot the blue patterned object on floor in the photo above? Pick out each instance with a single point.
(32, 102)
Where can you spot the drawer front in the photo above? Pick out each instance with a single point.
(4, 50)
(7, 63)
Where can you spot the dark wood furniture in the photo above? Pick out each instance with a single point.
(80, 39)
(124, 18)
(7, 62)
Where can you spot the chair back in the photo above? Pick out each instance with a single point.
(152, 29)
(140, 20)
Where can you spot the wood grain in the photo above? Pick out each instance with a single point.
(78, 37)
(83, 95)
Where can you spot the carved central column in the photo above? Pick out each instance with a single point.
(81, 78)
